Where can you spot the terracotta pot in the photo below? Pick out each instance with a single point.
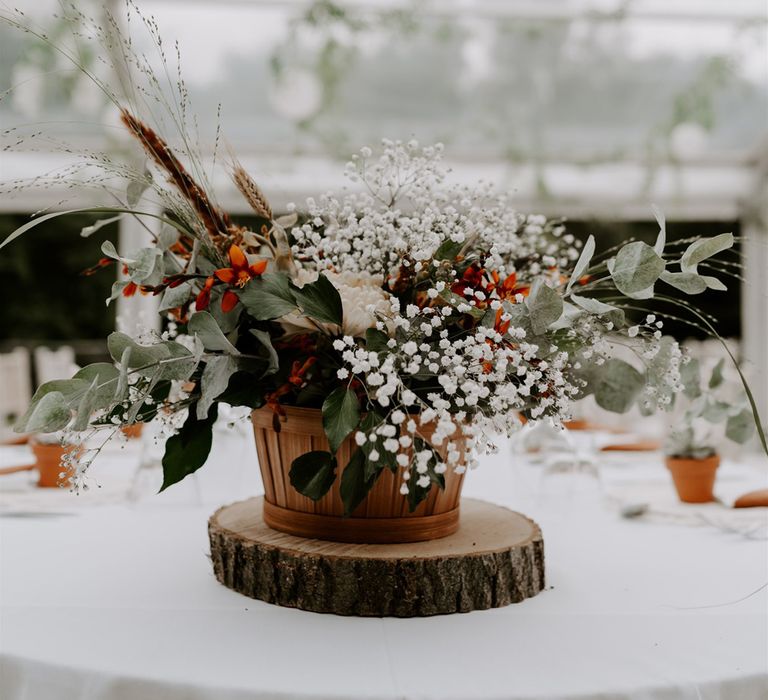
(383, 517)
(694, 478)
(49, 465)
(132, 431)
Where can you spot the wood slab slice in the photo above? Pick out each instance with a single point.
(495, 558)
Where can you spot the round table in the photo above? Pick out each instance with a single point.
(118, 602)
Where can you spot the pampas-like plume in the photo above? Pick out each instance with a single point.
(215, 221)
(251, 192)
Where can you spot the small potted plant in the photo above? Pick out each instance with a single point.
(691, 456)
(53, 459)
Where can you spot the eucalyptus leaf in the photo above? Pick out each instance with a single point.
(313, 473)
(690, 375)
(214, 381)
(341, 415)
(704, 248)
(273, 361)
(204, 326)
(86, 407)
(688, 282)
(740, 427)
(619, 385)
(599, 308)
(173, 297)
(661, 239)
(716, 378)
(714, 283)
(137, 187)
(583, 262)
(545, 306)
(106, 376)
(636, 268)
(87, 231)
(50, 413)
(108, 248)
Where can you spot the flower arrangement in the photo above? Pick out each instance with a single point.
(405, 303)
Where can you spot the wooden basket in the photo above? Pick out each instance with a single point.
(383, 517)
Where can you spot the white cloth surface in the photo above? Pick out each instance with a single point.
(119, 603)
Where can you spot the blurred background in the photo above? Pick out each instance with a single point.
(590, 110)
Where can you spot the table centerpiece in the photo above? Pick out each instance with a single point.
(384, 337)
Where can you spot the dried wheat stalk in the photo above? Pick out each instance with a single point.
(216, 222)
(251, 192)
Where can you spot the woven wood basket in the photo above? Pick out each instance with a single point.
(383, 517)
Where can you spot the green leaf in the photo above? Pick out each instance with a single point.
(583, 262)
(599, 308)
(690, 375)
(688, 282)
(174, 297)
(140, 356)
(355, 482)
(416, 493)
(618, 386)
(456, 301)
(137, 187)
(341, 415)
(715, 411)
(704, 248)
(313, 473)
(93, 210)
(661, 239)
(214, 381)
(204, 326)
(268, 297)
(87, 231)
(636, 268)
(320, 301)
(147, 268)
(714, 283)
(273, 361)
(716, 378)
(188, 450)
(376, 340)
(50, 413)
(740, 427)
(86, 407)
(106, 376)
(447, 250)
(545, 306)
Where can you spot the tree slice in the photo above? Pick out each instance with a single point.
(496, 558)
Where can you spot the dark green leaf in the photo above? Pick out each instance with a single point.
(313, 473)
(341, 415)
(355, 483)
(376, 341)
(268, 297)
(204, 326)
(320, 301)
(448, 250)
(187, 451)
(273, 361)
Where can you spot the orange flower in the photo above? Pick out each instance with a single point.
(240, 272)
(299, 370)
(204, 297)
(501, 326)
(130, 289)
(508, 289)
(238, 275)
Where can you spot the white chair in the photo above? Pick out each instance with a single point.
(54, 364)
(15, 389)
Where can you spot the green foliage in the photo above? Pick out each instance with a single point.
(341, 415)
(356, 481)
(313, 473)
(416, 493)
(618, 386)
(188, 450)
(268, 297)
(545, 306)
(635, 269)
(204, 326)
(320, 301)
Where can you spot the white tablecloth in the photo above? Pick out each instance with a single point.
(119, 603)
